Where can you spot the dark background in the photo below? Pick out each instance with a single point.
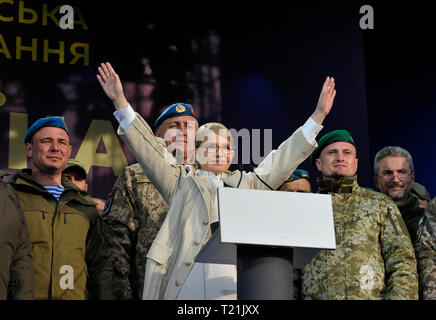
(274, 57)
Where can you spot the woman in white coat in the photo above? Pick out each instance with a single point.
(190, 191)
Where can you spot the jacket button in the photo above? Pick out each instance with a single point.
(205, 222)
(196, 243)
(188, 263)
(177, 283)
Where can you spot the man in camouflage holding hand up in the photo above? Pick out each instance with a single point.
(135, 210)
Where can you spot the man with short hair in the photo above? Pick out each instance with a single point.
(394, 175)
(374, 257)
(69, 255)
(135, 210)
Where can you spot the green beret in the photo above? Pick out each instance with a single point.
(329, 138)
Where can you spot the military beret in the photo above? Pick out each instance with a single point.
(175, 110)
(298, 174)
(329, 138)
(57, 122)
(75, 165)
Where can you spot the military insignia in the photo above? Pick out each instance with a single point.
(192, 110)
(421, 220)
(180, 108)
(107, 207)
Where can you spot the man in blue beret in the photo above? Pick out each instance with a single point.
(374, 257)
(177, 126)
(70, 257)
(298, 182)
(135, 210)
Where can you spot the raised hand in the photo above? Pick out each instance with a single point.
(325, 101)
(111, 84)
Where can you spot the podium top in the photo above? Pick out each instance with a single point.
(276, 218)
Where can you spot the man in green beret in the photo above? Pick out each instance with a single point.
(374, 257)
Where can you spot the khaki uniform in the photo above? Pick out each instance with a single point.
(16, 273)
(133, 217)
(374, 257)
(67, 240)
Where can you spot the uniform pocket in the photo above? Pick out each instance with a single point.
(159, 253)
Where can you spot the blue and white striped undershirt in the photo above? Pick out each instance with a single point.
(56, 191)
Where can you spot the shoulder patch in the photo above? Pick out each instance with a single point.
(107, 207)
(142, 179)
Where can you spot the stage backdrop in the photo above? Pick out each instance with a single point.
(48, 71)
(256, 66)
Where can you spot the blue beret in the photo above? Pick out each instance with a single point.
(175, 110)
(300, 174)
(44, 122)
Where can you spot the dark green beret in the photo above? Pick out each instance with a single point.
(329, 138)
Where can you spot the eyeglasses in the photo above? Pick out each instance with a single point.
(213, 147)
(402, 175)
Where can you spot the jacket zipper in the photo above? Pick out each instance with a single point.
(50, 293)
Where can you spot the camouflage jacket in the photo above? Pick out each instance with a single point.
(132, 218)
(374, 257)
(425, 247)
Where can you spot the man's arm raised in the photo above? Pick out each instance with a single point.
(111, 84)
(325, 101)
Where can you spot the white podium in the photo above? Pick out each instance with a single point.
(266, 234)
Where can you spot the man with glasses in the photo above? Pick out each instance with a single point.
(394, 175)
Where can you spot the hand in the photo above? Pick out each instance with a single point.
(325, 101)
(111, 84)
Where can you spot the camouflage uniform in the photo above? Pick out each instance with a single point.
(374, 257)
(426, 253)
(419, 227)
(132, 219)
